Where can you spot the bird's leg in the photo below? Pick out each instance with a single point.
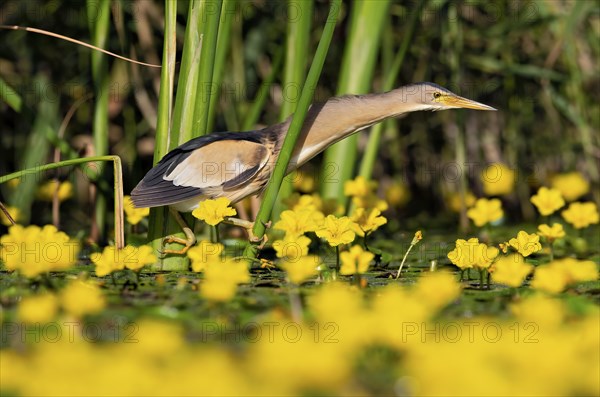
(187, 242)
(249, 226)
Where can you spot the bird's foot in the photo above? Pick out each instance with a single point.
(256, 240)
(262, 240)
(249, 226)
(187, 242)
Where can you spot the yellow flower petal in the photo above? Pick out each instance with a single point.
(48, 189)
(337, 230)
(14, 213)
(300, 269)
(79, 298)
(203, 254)
(221, 279)
(38, 309)
(33, 250)
(525, 243)
(571, 185)
(134, 215)
(498, 179)
(297, 222)
(547, 201)
(215, 211)
(485, 211)
(359, 187)
(551, 233)
(511, 270)
(292, 247)
(581, 215)
(355, 261)
(367, 221)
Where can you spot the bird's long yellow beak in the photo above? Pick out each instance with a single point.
(460, 102)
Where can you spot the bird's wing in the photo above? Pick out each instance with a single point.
(203, 166)
(226, 163)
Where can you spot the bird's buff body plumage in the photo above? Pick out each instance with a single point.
(238, 164)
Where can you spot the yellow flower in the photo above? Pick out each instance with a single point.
(13, 183)
(337, 230)
(38, 309)
(397, 194)
(14, 212)
(139, 257)
(498, 179)
(581, 215)
(130, 257)
(417, 237)
(541, 309)
(134, 215)
(571, 185)
(215, 211)
(108, 261)
(292, 247)
(222, 278)
(463, 254)
(47, 190)
(301, 268)
(158, 338)
(453, 200)
(303, 182)
(504, 247)
(203, 253)
(485, 211)
(485, 256)
(525, 243)
(551, 233)
(367, 221)
(511, 270)
(578, 270)
(332, 207)
(296, 223)
(549, 279)
(547, 201)
(355, 261)
(312, 202)
(370, 201)
(80, 297)
(472, 253)
(33, 250)
(359, 187)
(362, 193)
(437, 289)
(557, 275)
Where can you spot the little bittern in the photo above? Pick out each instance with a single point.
(238, 164)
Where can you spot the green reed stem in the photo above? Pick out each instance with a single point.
(228, 14)
(118, 185)
(45, 117)
(372, 149)
(358, 66)
(296, 55)
(99, 17)
(210, 31)
(285, 155)
(166, 138)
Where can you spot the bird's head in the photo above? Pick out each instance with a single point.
(430, 96)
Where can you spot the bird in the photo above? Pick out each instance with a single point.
(236, 165)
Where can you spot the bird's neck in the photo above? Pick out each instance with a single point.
(339, 117)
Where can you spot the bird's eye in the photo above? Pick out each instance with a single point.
(436, 95)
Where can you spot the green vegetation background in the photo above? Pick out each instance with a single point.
(535, 61)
